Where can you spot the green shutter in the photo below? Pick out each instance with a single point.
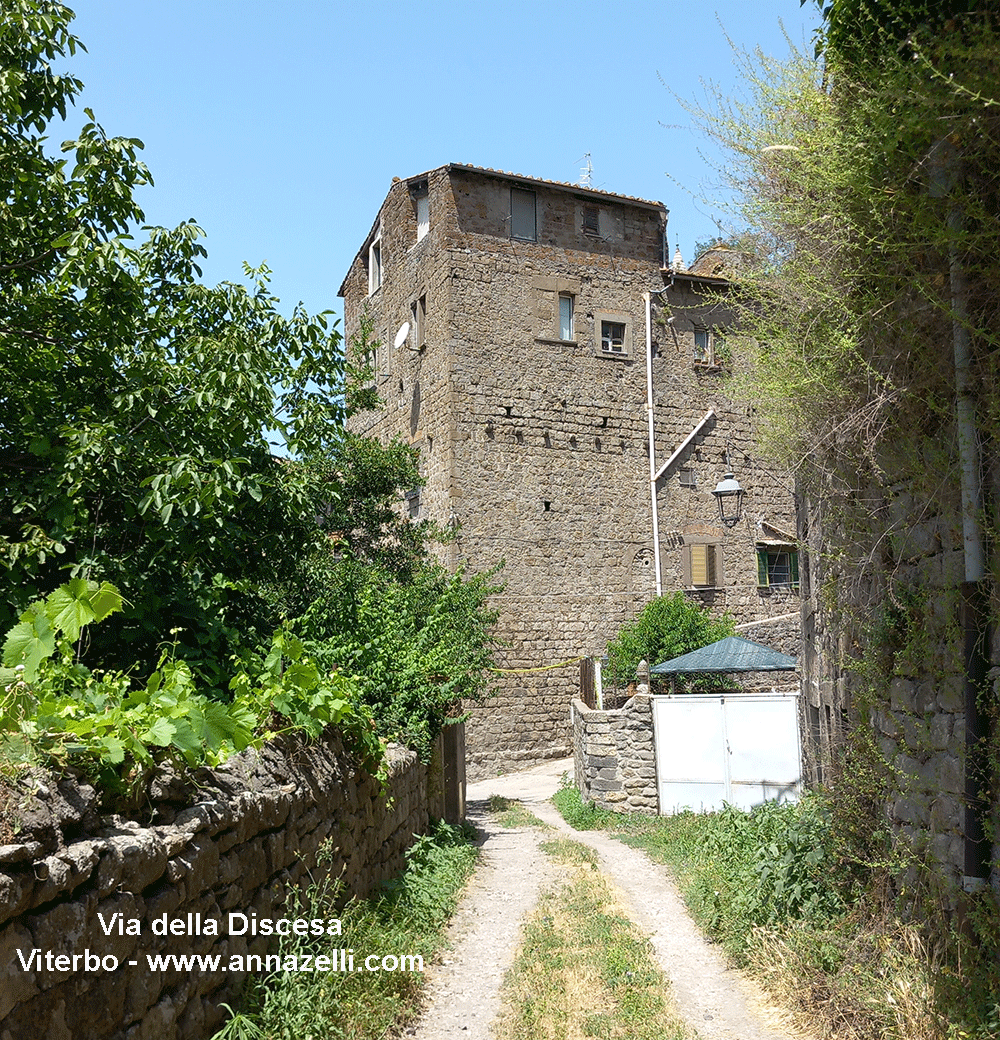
(793, 559)
(762, 567)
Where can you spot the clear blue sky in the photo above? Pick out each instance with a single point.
(279, 124)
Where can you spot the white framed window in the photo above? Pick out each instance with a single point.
(703, 347)
(523, 222)
(612, 334)
(777, 565)
(566, 310)
(375, 263)
(422, 203)
(613, 337)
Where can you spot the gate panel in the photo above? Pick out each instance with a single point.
(742, 749)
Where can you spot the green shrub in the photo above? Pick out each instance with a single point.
(665, 628)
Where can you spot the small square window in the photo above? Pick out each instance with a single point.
(523, 223)
(612, 334)
(777, 565)
(613, 337)
(566, 317)
(687, 478)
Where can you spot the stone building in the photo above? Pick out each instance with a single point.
(519, 322)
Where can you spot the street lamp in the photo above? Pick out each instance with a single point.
(729, 495)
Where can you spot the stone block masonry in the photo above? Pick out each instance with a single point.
(251, 838)
(512, 326)
(613, 756)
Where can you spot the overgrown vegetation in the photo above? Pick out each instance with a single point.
(583, 968)
(666, 627)
(186, 446)
(405, 921)
(779, 889)
(865, 195)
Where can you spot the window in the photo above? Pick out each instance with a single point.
(687, 478)
(777, 565)
(375, 263)
(421, 203)
(702, 564)
(418, 315)
(703, 354)
(566, 316)
(613, 337)
(612, 334)
(522, 215)
(591, 220)
(413, 503)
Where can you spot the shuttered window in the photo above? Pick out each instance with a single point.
(522, 215)
(777, 565)
(703, 566)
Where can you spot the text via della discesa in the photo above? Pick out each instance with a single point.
(236, 924)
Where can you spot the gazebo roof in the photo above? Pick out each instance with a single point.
(731, 654)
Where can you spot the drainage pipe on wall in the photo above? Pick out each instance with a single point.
(654, 513)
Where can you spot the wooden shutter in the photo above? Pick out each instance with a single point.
(703, 565)
(762, 567)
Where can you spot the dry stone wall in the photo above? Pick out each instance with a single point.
(251, 838)
(614, 757)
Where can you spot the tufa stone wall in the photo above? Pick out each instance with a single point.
(251, 838)
(898, 613)
(534, 442)
(613, 756)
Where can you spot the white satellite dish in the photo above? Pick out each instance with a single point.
(404, 331)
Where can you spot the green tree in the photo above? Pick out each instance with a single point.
(136, 407)
(133, 398)
(665, 628)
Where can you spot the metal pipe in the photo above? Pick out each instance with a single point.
(654, 512)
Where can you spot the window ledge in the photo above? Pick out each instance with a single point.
(557, 342)
(612, 355)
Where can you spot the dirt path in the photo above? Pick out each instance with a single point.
(464, 991)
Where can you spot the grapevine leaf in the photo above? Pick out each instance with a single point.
(29, 643)
(69, 609)
(114, 749)
(161, 733)
(186, 740)
(106, 600)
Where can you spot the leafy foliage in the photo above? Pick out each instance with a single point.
(136, 407)
(134, 399)
(54, 709)
(665, 628)
(416, 649)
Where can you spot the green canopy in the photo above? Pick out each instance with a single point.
(731, 654)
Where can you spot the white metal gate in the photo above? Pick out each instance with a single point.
(739, 748)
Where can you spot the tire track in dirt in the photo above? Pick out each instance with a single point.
(464, 991)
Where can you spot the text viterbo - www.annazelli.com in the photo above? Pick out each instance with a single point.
(339, 960)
